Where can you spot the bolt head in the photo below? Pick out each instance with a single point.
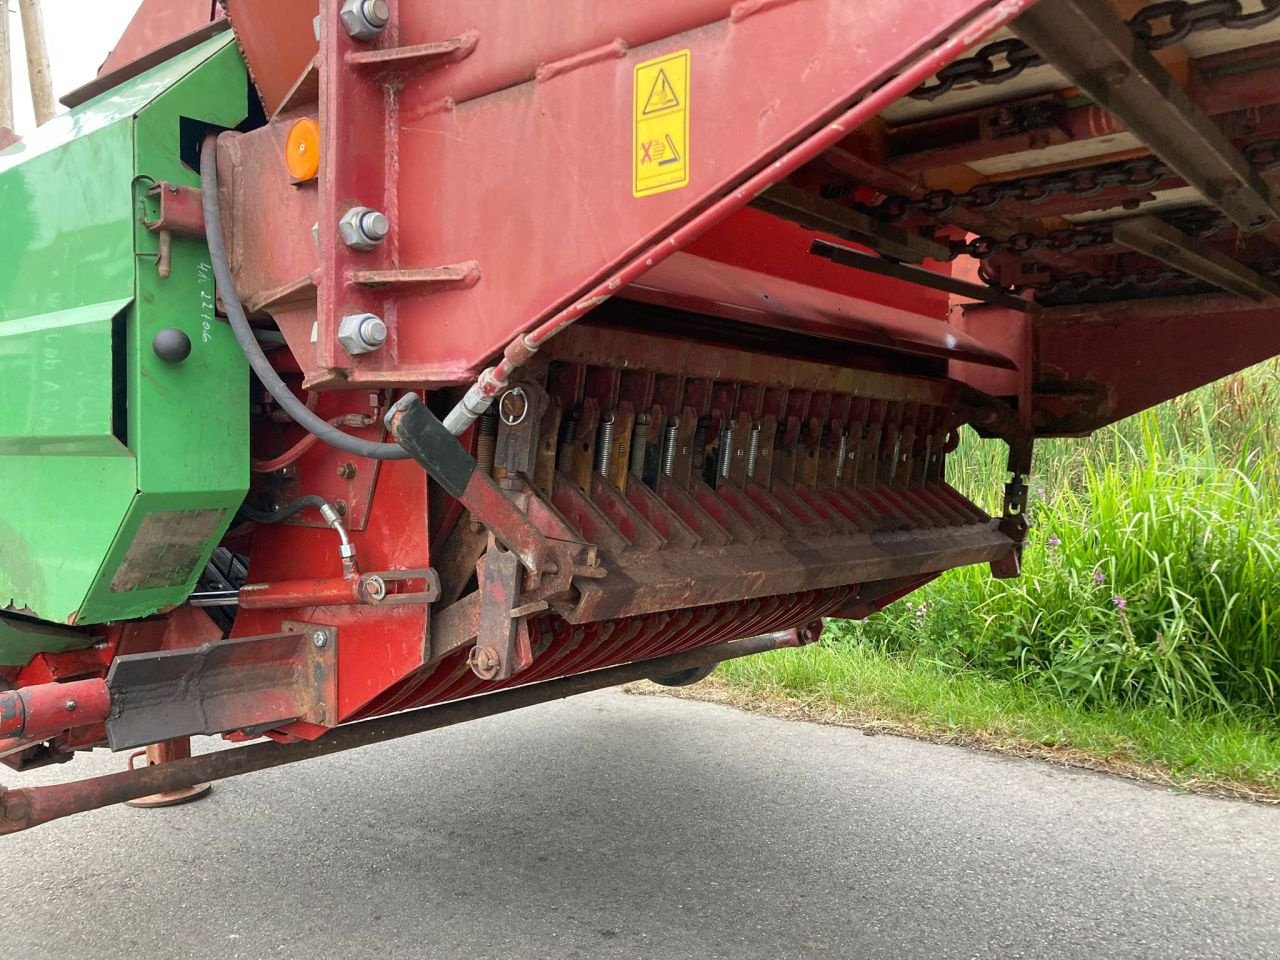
(320, 638)
(362, 333)
(365, 19)
(71, 706)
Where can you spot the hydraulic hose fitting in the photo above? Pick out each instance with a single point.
(347, 549)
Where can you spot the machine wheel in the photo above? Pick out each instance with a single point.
(686, 678)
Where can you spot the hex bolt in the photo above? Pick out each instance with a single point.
(320, 638)
(347, 470)
(365, 19)
(362, 333)
(363, 228)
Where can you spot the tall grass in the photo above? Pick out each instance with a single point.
(1152, 573)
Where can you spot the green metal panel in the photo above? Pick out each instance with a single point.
(121, 472)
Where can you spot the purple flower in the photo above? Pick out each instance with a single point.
(1054, 543)
(1119, 602)
(1098, 577)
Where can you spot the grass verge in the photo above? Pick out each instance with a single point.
(909, 695)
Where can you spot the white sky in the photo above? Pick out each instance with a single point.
(80, 34)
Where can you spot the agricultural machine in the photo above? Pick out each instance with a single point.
(368, 366)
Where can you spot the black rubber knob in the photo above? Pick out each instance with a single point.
(171, 345)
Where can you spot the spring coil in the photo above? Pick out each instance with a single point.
(841, 451)
(567, 437)
(669, 447)
(604, 446)
(726, 450)
(639, 445)
(753, 449)
(486, 442)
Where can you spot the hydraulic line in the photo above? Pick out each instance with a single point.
(521, 350)
(346, 549)
(244, 332)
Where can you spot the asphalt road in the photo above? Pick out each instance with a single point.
(623, 826)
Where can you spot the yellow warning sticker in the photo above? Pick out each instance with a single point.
(660, 159)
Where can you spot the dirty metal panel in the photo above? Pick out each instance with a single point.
(279, 42)
(157, 24)
(697, 285)
(547, 220)
(247, 684)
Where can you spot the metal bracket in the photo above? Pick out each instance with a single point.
(178, 210)
(251, 683)
(503, 647)
(1013, 523)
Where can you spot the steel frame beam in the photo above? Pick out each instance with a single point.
(1088, 42)
(1166, 243)
(22, 809)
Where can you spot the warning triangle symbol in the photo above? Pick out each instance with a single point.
(662, 96)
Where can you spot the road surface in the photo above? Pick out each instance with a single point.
(616, 826)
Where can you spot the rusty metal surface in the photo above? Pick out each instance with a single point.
(583, 191)
(245, 684)
(1092, 45)
(278, 42)
(21, 809)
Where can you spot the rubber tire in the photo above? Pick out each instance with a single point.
(686, 678)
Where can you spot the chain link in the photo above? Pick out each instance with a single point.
(1005, 59)
(1138, 175)
(1078, 286)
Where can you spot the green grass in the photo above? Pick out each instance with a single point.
(1144, 625)
(848, 681)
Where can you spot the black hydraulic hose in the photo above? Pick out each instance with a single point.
(249, 343)
(285, 512)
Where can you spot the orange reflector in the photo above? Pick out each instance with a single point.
(302, 152)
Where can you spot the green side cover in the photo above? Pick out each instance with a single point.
(120, 471)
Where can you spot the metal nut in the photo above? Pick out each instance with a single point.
(320, 638)
(362, 333)
(363, 228)
(484, 662)
(365, 19)
(373, 589)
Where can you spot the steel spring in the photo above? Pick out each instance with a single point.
(841, 451)
(568, 436)
(604, 446)
(486, 442)
(753, 449)
(726, 449)
(639, 445)
(669, 447)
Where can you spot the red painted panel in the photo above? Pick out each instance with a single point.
(534, 181)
